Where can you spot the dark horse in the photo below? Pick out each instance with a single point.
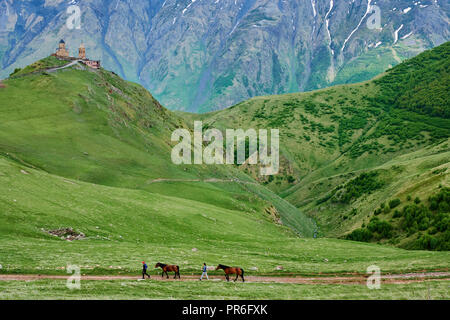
(166, 267)
(232, 270)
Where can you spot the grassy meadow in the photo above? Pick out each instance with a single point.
(127, 289)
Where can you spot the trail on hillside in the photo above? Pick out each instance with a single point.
(395, 55)
(53, 69)
(337, 279)
(210, 180)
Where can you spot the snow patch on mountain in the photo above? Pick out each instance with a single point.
(396, 34)
(327, 22)
(359, 24)
(313, 4)
(190, 4)
(407, 36)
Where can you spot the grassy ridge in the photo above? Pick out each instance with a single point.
(40, 66)
(420, 84)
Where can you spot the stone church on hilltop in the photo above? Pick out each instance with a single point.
(63, 53)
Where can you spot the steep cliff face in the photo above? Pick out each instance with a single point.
(201, 55)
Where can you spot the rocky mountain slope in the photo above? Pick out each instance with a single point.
(207, 55)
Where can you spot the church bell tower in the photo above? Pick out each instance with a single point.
(82, 52)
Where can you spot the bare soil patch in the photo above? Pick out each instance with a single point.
(66, 234)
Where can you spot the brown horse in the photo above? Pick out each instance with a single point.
(232, 270)
(165, 268)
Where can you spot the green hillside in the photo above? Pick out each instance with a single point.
(86, 178)
(347, 150)
(420, 84)
(98, 128)
(124, 226)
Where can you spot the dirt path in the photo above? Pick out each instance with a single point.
(357, 279)
(63, 67)
(395, 55)
(210, 180)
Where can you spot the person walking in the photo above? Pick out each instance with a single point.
(204, 273)
(144, 270)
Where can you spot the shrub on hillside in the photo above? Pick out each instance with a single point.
(362, 235)
(290, 179)
(429, 242)
(15, 71)
(419, 84)
(397, 214)
(363, 184)
(430, 223)
(381, 227)
(394, 203)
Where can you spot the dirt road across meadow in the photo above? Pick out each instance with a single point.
(338, 279)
